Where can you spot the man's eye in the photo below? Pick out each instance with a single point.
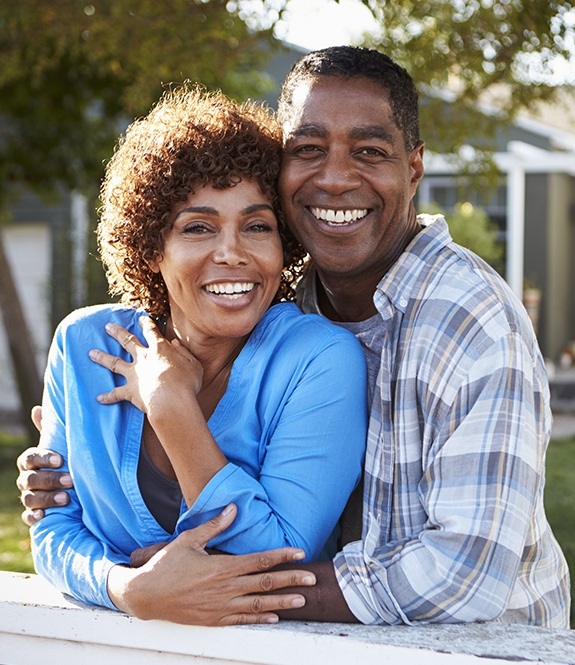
(307, 151)
(371, 154)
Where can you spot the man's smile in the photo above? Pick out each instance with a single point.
(334, 217)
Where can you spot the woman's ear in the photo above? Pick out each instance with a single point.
(155, 263)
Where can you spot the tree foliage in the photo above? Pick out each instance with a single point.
(72, 73)
(498, 51)
(471, 227)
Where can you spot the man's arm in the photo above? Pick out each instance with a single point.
(324, 601)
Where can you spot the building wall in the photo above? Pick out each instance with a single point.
(559, 321)
(28, 247)
(535, 251)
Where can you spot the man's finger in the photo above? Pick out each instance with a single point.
(36, 416)
(43, 480)
(36, 458)
(30, 517)
(142, 555)
(41, 499)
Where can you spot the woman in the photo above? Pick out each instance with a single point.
(243, 399)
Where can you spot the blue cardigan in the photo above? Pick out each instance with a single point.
(292, 424)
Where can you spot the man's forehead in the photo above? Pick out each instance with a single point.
(316, 102)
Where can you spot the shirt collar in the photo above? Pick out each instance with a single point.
(397, 285)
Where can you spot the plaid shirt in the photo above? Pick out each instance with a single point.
(454, 528)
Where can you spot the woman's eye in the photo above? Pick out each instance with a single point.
(196, 228)
(260, 227)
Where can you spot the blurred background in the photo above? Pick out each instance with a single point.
(497, 86)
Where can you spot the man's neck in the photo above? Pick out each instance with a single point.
(342, 300)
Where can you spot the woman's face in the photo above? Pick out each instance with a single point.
(221, 261)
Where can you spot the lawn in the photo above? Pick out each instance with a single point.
(559, 503)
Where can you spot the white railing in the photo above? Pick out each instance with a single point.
(39, 625)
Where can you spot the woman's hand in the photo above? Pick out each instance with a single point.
(182, 583)
(158, 374)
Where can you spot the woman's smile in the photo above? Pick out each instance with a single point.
(221, 261)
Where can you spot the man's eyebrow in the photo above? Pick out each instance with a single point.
(308, 130)
(372, 132)
(363, 132)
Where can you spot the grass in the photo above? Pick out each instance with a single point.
(559, 504)
(14, 541)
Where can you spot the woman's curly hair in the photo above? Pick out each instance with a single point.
(190, 138)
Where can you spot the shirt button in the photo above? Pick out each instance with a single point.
(403, 302)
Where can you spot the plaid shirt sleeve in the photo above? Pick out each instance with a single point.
(485, 546)
(454, 528)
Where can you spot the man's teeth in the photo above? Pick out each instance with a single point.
(338, 216)
(231, 289)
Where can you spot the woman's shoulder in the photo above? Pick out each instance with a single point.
(96, 317)
(286, 321)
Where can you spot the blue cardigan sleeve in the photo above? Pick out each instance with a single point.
(65, 551)
(312, 462)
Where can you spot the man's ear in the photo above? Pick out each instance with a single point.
(416, 168)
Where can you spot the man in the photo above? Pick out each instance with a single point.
(454, 528)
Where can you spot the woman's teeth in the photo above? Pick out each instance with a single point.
(232, 290)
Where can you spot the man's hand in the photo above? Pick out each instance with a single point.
(182, 583)
(40, 489)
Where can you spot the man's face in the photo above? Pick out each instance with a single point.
(347, 180)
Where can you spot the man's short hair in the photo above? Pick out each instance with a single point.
(351, 62)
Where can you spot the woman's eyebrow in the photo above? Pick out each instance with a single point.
(256, 207)
(209, 210)
(202, 210)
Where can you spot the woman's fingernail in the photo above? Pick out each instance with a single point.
(298, 556)
(308, 579)
(298, 602)
(54, 460)
(92, 354)
(273, 619)
(228, 509)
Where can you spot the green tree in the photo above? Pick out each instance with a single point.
(470, 227)
(497, 51)
(72, 74)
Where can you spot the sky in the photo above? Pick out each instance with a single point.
(320, 23)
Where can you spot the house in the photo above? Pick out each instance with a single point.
(534, 208)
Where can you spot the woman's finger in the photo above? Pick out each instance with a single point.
(121, 335)
(116, 395)
(113, 363)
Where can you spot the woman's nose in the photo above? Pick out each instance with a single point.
(230, 250)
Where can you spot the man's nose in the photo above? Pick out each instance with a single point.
(337, 173)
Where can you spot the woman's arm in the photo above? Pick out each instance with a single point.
(312, 459)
